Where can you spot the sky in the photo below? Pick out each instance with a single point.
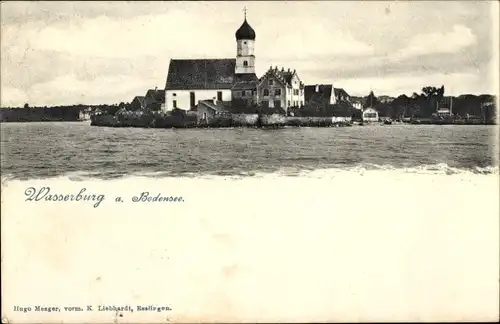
(56, 53)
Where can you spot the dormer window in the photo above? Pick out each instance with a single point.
(271, 81)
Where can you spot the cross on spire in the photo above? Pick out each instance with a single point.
(245, 12)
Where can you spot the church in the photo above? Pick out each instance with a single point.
(190, 81)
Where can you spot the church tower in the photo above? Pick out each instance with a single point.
(245, 45)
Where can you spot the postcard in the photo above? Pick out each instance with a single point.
(249, 162)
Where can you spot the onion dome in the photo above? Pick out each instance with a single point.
(245, 32)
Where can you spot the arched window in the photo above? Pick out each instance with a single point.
(266, 92)
(245, 63)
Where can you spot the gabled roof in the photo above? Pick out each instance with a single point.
(285, 76)
(245, 85)
(140, 99)
(156, 95)
(340, 91)
(220, 106)
(324, 92)
(200, 74)
(322, 97)
(246, 81)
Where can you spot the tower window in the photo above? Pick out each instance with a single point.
(245, 63)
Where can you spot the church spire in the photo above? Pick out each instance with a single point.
(245, 31)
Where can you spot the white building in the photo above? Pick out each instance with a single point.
(370, 115)
(192, 80)
(280, 88)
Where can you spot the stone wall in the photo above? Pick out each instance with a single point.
(245, 119)
(272, 120)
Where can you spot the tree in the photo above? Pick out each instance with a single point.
(371, 100)
(432, 96)
(26, 106)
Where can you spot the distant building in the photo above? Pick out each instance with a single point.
(137, 103)
(370, 115)
(209, 109)
(154, 99)
(357, 104)
(244, 91)
(280, 88)
(385, 99)
(444, 107)
(320, 94)
(341, 95)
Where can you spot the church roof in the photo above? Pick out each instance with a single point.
(245, 32)
(200, 74)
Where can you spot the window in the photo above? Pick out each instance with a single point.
(271, 81)
(174, 94)
(288, 103)
(192, 99)
(277, 104)
(266, 92)
(219, 95)
(245, 63)
(174, 103)
(244, 42)
(301, 103)
(243, 93)
(277, 92)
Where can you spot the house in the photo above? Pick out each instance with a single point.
(244, 91)
(280, 88)
(137, 103)
(154, 99)
(358, 104)
(370, 115)
(341, 95)
(319, 94)
(193, 80)
(385, 99)
(209, 109)
(444, 107)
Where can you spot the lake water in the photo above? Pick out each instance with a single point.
(39, 150)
